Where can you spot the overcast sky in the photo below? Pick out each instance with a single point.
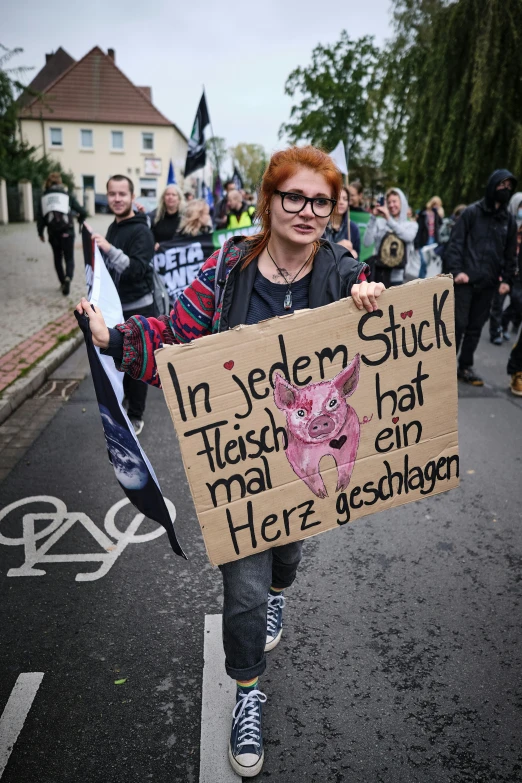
(241, 51)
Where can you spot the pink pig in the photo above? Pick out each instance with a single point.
(319, 422)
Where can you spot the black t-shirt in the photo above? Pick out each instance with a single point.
(166, 228)
(268, 298)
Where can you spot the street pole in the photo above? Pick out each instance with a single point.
(213, 139)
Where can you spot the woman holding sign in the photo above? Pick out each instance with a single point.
(285, 267)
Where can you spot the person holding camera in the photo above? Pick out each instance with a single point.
(393, 235)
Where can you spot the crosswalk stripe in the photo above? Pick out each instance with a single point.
(15, 713)
(216, 708)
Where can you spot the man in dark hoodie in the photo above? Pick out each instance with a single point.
(481, 256)
(129, 249)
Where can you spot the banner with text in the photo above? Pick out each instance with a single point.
(179, 261)
(303, 423)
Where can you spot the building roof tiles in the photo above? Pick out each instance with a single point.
(92, 90)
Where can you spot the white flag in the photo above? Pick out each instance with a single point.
(338, 155)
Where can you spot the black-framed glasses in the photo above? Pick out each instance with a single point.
(296, 202)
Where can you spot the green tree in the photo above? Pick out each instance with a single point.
(336, 94)
(454, 81)
(401, 64)
(18, 160)
(217, 151)
(251, 160)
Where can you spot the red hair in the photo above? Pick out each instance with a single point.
(282, 166)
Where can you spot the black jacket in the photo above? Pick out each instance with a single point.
(334, 273)
(483, 242)
(423, 233)
(166, 228)
(58, 223)
(130, 259)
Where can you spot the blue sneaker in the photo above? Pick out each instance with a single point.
(274, 620)
(245, 752)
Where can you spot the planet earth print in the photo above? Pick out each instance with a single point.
(129, 466)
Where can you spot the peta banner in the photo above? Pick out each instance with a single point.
(179, 261)
(304, 423)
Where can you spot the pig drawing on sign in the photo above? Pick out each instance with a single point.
(320, 422)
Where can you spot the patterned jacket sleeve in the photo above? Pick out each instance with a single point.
(191, 317)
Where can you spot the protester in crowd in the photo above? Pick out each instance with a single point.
(500, 318)
(128, 249)
(393, 235)
(285, 267)
(55, 213)
(513, 312)
(337, 228)
(430, 222)
(448, 223)
(356, 196)
(221, 213)
(165, 219)
(514, 367)
(240, 214)
(481, 252)
(196, 219)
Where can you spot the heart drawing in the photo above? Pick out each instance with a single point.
(228, 365)
(338, 443)
(395, 419)
(407, 314)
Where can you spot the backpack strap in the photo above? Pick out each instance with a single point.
(220, 278)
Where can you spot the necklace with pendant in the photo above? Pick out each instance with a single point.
(287, 304)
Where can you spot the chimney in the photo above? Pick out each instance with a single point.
(147, 91)
(112, 54)
(48, 57)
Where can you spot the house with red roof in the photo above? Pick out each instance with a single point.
(92, 119)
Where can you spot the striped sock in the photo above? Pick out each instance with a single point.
(248, 685)
(276, 590)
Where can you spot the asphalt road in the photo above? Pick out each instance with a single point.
(401, 655)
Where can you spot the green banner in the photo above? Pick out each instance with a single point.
(361, 220)
(220, 237)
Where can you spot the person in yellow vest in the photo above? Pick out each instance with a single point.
(240, 214)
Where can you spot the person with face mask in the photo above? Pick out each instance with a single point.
(481, 256)
(393, 235)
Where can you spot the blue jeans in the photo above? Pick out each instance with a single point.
(246, 584)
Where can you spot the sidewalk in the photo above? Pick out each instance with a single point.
(35, 317)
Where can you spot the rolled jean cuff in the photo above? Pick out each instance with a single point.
(246, 674)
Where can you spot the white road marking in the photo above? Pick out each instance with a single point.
(60, 522)
(219, 693)
(15, 713)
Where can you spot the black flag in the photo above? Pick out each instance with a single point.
(237, 179)
(197, 149)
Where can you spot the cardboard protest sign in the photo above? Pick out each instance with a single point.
(303, 423)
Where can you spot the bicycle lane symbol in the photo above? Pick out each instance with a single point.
(114, 541)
